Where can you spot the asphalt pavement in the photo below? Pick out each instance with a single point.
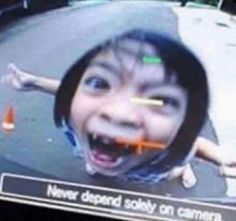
(47, 44)
(211, 34)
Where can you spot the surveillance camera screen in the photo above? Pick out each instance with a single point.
(119, 109)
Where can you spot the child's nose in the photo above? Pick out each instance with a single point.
(122, 113)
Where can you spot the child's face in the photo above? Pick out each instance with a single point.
(102, 109)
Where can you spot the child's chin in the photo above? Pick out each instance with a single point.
(108, 172)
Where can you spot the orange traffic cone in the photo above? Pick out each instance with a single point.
(8, 123)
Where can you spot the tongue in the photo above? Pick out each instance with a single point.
(101, 156)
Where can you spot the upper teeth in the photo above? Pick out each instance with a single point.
(126, 146)
(106, 140)
(94, 136)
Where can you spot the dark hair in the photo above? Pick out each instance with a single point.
(176, 58)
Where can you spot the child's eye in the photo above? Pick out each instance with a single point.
(166, 103)
(97, 83)
(169, 101)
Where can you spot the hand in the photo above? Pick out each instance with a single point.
(186, 175)
(228, 160)
(189, 179)
(18, 79)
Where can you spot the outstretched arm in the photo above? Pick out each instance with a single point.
(208, 150)
(24, 81)
(46, 85)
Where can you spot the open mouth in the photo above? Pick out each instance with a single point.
(107, 152)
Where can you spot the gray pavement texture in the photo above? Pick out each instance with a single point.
(48, 44)
(215, 45)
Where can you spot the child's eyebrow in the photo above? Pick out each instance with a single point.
(106, 66)
(153, 84)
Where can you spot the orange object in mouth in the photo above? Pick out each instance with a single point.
(141, 144)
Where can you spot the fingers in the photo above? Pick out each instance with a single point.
(228, 160)
(189, 179)
(11, 70)
(232, 163)
(227, 171)
(12, 77)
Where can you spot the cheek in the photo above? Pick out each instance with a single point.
(82, 108)
(161, 128)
